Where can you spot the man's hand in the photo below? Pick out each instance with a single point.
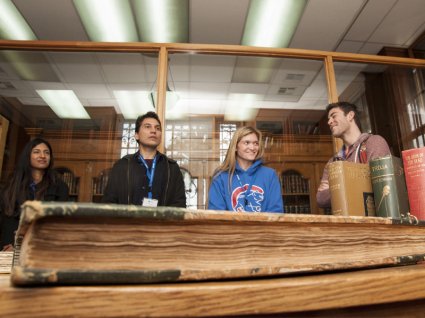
(7, 248)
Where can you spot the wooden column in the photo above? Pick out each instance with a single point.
(162, 90)
(332, 93)
(4, 127)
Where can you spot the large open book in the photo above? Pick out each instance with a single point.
(69, 243)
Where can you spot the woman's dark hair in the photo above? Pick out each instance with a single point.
(18, 188)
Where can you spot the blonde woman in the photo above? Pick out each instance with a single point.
(242, 183)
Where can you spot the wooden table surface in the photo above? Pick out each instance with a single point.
(323, 294)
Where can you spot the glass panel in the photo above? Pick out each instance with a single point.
(106, 84)
(390, 99)
(211, 96)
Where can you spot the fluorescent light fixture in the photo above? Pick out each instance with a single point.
(272, 23)
(64, 103)
(133, 103)
(107, 20)
(241, 107)
(12, 24)
(172, 102)
(162, 20)
(174, 109)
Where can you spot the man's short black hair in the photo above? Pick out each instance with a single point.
(141, 118)
(346, 107)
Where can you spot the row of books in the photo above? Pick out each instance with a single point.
(71, 181)
(295, 183)
(386, 187)
(99, 183)
(303, 208)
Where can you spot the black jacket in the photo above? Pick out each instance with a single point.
(9, 224)
(128, 183)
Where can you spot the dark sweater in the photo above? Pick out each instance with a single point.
(128, 183)
(9, 224)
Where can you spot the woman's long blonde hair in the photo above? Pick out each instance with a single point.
(229, 163)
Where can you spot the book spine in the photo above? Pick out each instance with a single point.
(385, 186)
(337, 188)
(414, 169)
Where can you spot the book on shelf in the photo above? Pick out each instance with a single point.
(414, 171)
(351, 189)
(87, 243)
(389, 187)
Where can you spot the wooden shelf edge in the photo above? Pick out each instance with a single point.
(243, 297)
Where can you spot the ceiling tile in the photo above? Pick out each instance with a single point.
(369, 19)
(217, 21)
(349, 46)
(124, 68)
(53, 20)
(324, 23)
(208, 68)
(405, 18)
(77, 67)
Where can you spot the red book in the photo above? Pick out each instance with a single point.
(414, 170)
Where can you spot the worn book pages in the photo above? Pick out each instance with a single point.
(6, 262)
(69, 243)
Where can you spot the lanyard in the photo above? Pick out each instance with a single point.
(149, 172)
(32, 190)
(345, 152)
(248, 190)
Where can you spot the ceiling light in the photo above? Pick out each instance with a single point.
(133, 103)
(12, 25)
(172, 109)
(107, 20)
(64, 103)
(240, 107)
(272, 23)
(162, 20)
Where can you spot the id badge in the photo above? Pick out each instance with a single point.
(150, 202)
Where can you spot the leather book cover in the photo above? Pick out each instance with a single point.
(389, 187)
(351, 189)
(414, 170)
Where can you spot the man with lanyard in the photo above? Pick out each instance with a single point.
(344, 122)
(148, 177)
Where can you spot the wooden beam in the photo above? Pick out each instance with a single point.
(78, 46)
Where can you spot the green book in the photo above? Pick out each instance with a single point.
(389, 187)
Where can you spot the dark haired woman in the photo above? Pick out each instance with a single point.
(33, 179)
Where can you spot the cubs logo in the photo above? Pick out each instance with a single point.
(241, 200)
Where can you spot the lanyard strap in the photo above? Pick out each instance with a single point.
(33, 189)
(248, 190)
(149, 172)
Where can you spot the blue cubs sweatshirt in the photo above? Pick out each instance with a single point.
(256, 189)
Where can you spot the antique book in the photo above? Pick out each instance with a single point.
(5, 262)
(87, 243)
(414, 170)
(351, 189)
(389, 187)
